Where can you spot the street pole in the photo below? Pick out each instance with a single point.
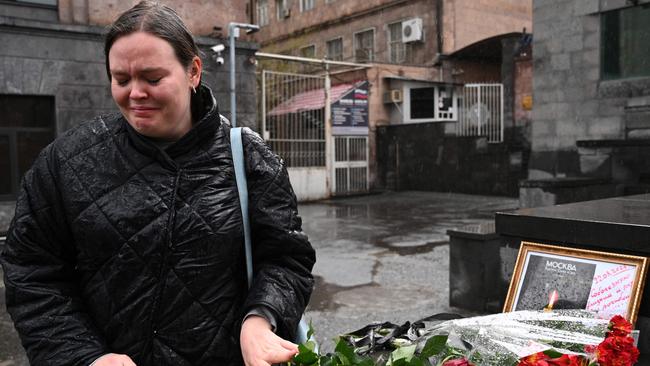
(233, 32)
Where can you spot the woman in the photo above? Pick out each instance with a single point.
(127, 243)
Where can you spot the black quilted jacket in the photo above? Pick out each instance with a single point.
(118, 246)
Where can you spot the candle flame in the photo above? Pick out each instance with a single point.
(552, 298)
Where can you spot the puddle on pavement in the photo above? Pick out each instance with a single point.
(322, 299)
(411, 247)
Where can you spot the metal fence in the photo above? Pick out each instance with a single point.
(481, 111)
(293, 117)
(350, 164)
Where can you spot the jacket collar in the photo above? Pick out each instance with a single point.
(204, 105)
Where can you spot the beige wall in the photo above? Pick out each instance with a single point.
(199, 15)
(343, 18)
(469, 21)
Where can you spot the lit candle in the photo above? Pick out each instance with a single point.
(552, 298)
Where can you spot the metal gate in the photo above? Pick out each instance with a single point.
(350, 165)
(481, 111)
(293, 123)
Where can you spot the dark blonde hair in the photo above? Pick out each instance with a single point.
(158, 20)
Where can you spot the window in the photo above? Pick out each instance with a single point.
(309, 51)
(40, 2)
(335, 49)
(398, 52)
(262, 12)
(306, 5)
(364, 46)
(421, 101)
(625, 50)
(26, 127)
(282, 9)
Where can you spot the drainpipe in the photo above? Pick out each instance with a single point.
(439, 37)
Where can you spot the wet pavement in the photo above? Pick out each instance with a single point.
(381, 257)
(386, 257)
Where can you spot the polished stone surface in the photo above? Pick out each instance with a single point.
(621, 223)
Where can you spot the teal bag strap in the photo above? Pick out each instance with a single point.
(242, 188)
(240, 175)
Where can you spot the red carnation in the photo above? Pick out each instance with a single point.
(569, 360)
(619, 327)
(617, 351)
(537, 359)
(458, 362)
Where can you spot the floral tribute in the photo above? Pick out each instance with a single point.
(522, 338)
(616, 350)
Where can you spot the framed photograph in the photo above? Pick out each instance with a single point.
(552, 277)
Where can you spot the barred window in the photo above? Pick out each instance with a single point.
(398, 52)
(306, 5)
(309, 51)
(335, 49)
(262, 12)
(364, 46)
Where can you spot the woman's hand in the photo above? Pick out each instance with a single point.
(113, 359)
(260, 346)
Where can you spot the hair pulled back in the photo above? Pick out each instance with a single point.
(158, 20)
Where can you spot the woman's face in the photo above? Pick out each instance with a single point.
(151, 87)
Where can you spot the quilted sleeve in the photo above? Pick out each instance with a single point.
(38, 262)
(282, 255)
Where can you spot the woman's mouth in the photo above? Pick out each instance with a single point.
(142, 111)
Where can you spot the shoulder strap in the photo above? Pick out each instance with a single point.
(302, 333)
(240, 175)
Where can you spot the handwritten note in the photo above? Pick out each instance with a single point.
(611, 288)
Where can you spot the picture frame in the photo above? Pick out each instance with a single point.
(549, 277)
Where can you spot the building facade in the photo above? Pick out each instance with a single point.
(591, 119)
(419, 54)
(52, 73)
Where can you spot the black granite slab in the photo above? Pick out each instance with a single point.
(620, 223)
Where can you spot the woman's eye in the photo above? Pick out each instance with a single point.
(154, 81)
(122, 82)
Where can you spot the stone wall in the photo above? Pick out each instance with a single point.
(469, 21)
(571, 102)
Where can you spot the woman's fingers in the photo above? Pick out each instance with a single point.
(288, 345)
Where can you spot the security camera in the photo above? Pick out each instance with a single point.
(219, 60)
(218, 48)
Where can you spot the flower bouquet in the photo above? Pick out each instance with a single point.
(522, 338)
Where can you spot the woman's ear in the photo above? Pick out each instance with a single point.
(196, 67)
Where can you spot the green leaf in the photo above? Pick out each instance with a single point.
(310, 331)
(553, 353)
(343, 349)
(434, 346)
(305, 356)
(403, 353)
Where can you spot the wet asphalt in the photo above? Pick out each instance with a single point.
(382, 257)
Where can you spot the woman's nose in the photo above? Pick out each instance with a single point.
(138, 91)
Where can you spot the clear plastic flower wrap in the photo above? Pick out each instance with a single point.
(503, 339)
(499, 339)
(522, 338)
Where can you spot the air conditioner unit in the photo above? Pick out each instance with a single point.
(412, 30)
(393, 96)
